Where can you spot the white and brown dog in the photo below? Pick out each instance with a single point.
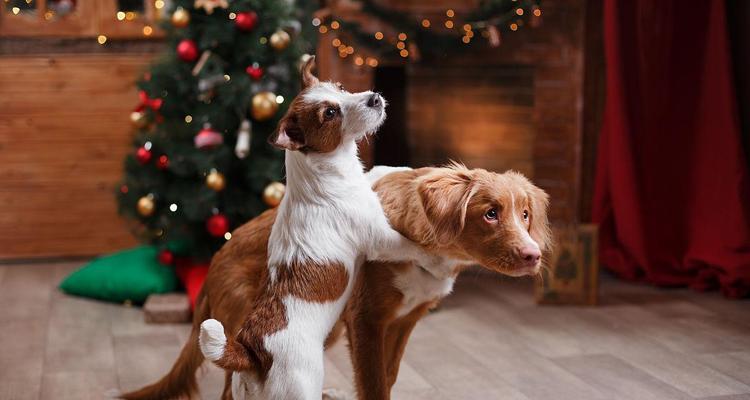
(329, 222)
(460, 215)
(467, 215)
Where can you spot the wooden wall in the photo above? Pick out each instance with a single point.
(550, 58)
(64, 131)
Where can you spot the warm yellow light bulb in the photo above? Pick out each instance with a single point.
(335, 25)
(101, 39)
(379, 35)
(400, 45)
(513, 27)
(336, 42)
(147, 30)
(538, 12)
(426, 23)
(449, 24)
(402, 36)
(404, 53)
(519, 11)
(450, 13)
(359, 60)
(120, 15)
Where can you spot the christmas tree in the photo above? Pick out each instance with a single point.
(201, 165)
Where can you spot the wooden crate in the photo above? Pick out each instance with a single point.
(573, 269)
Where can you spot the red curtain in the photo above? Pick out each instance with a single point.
(672, 194)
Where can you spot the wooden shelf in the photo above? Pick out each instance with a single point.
(87, 19)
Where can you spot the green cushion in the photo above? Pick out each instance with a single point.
(129, 275)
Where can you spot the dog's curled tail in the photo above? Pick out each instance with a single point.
(180, 381)
(227, 354)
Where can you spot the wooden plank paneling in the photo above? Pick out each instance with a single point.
(64, 131)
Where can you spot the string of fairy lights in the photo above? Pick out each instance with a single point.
(347, 37)
(343, 35)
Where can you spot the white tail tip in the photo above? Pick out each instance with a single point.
(212, 339)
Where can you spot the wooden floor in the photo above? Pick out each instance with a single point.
(488, 341)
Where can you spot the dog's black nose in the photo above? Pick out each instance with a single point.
(375, 100)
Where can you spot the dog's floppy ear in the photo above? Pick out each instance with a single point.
(308, 79)
(539, 229)
(445, 195)
(289, 136)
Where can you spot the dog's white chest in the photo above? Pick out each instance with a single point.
(418, 287)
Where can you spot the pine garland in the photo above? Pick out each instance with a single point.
(491, 15)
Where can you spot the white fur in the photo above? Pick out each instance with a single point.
(329, 215)
(212, 339)
(419, 286)
(521, 227)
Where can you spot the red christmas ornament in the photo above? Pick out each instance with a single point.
(146, 102)
(207, 138)
(162, 162)
(255, 72)
(187, 50)
(166, 257)
(142, 155)
(217, 225)
(246, 21)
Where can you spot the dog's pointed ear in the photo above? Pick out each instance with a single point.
(445, 195)
(289, 136)
(308, 79)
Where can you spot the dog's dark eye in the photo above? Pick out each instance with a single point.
(329, 113)
(525, 215)
(491, 214)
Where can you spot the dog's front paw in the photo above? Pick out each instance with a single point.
(337, 394)
(212, 339)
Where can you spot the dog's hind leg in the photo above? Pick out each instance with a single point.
(227, 393)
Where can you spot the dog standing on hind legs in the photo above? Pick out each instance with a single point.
(329, 222)
(496, 220)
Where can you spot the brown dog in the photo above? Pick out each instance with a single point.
(471, 216)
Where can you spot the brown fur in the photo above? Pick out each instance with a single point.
(377, 337)
(445, 208)
(305, 126)
(314, 283)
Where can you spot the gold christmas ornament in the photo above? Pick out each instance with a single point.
(280, 40)
(180, 18)
(146, 206)
(209, 5)
(264, 106)
(273, 193)
(215, 180)
(138, 118)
